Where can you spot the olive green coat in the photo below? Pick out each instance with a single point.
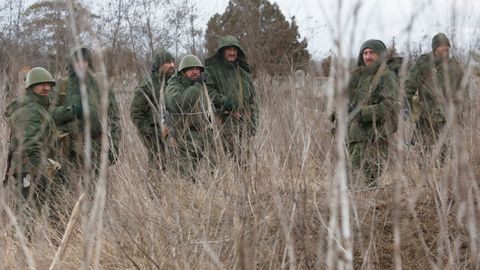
(32, 135)
(430, 86)
(232, 82)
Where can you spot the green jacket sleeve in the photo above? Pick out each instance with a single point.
(180, 99)
(31, 141)
(139, 110)
(216, 96)
(388, 106)
(114, 120)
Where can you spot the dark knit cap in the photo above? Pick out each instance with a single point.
(376, 45)
(160, 57)
(438, 40)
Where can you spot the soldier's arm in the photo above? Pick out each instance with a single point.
(60, 114)
(388, 107)
(114, 120)
(33, 129)
(139, 110)
(182, 100)
(218, 99)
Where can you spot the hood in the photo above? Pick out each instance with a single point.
(160, 57)
(377, 46)
(86, 53)
(225, 42)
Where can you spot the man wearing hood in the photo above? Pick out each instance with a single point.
(230, 87)
(71, 117)
(148, 108)
(33, 139)
(434, 82)
(373, 96)
(186, 100)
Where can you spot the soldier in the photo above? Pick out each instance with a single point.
(31, 159)
(373, 94)
(187, 103)
(148, 108)
(230, 86)
(433, 83)
(71, 118)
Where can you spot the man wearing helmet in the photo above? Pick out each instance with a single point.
(33, 139)
(230, 86)
(186, 100)
(148, 108)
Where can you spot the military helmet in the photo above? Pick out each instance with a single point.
(189, 61)
(39, 75)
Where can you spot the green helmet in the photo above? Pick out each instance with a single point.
(189, 61)
(39, 75)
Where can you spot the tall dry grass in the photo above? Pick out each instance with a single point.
(289, 209)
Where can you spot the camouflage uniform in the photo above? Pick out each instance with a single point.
(187, 103)
(146, 109)
(32, 152)
(431, 86)
(231, 90)
(373, 92)
(72, 122)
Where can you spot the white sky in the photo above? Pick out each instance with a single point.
(323, 21)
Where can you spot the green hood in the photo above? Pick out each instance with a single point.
(71, 58)
(376, 45)
(225, 42)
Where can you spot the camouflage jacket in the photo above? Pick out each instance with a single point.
(373, 104)
(233, 81)
(32, 134)
(63, 115)
(431, 86)
(147, 106)
(186, 103)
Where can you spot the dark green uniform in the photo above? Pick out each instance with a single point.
(68, 99)
(431, 86)
(147, 107)
(33, 140)
(373, 92)
(186, 102)
(231, 90)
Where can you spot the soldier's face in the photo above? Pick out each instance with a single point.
(192, 73)
(442, 52)
(369, 56)
(81, 66)
(42, 89)
(168, 68)
(230, 54)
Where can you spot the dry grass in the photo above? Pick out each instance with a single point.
(282, 212)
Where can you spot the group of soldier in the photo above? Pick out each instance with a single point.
(58, 127)
(434, 84)
(177, 110)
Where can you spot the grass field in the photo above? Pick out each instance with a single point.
(289, 209)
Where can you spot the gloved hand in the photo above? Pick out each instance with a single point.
(228, 104)
(77, 111)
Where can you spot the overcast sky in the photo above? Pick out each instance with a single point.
(323, 21)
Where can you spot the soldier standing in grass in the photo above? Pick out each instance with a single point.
(434, 83)
(373, 93)
(187, 103)
(148, 108)
(31, 159)
(230, 86)
(71, 118)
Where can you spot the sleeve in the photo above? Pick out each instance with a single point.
(114, 121)
(388, 106)
(216, 96)
(31, 141)
(179, 100)
(139, 110)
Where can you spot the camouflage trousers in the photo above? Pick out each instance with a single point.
(235, 136)
(367, 160)
(192, 148)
